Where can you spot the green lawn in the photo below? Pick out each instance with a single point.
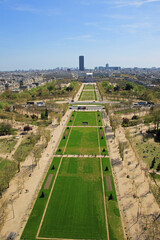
(76, 205)
(83, 141)
(90, 117)
(114, 218)
(93, 118)
(32, 225)
(102, 141)
(89, 87)
(63, 141)
(88, 95)
(71, 119)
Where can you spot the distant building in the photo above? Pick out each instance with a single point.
(81, 63)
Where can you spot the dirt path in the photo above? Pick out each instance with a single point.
(133, 192)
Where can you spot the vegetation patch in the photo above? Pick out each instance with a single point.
(7, 144)
(7, 171)
(83, 141)
(88, 95)
(26, 147)
(89, 117)
(6, 129)
(114, 218)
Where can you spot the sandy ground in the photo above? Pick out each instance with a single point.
(25, 186)
(133, 192)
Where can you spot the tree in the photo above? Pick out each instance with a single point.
(153, 163)
(44, 114)
(129, 86)
(114, 122)
(37, 154)
(122, 147)
(156, 118)
(5, 129)
(158, 167)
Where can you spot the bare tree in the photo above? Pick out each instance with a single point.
(122, 147)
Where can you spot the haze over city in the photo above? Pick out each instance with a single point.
(48, 34)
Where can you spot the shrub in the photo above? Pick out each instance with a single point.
(135, 117)
(27, 128)
(125, 122)
(106, 169)
(53, 167)
(110, 197)
(42, 195)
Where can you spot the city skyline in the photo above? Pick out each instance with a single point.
(46, 35)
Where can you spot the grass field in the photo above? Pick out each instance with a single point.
(102, 142)
(90, 117)
(63, 141)
(88, 95)
(114, 219)
(73, 207)
(76, 209)
(89, 87)
(76, 202)
(83, 141)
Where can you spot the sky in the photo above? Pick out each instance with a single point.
(45, 34)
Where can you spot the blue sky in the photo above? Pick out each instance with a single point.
(43, 34)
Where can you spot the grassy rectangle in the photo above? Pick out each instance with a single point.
(76, 207)
(33, 223)
(89, 117)
(71, 119)
(102, 141)
(114, 218)
(83, 141)
(89, 86)
(88, 95)
(63, 141)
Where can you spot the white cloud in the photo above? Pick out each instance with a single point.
(118, 16)
(33, 10)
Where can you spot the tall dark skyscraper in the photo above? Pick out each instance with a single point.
(81, 63)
